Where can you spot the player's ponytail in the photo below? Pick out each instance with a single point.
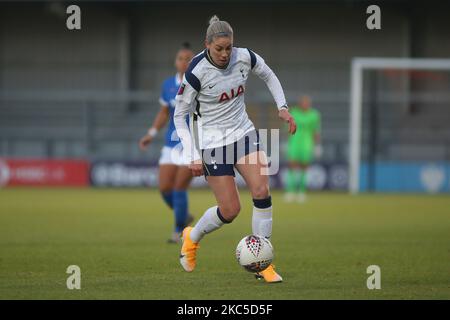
(218, 28)
(213, 19)
(186, 46)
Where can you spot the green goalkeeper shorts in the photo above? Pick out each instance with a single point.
(301, 155)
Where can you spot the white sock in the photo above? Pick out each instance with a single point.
(209, 222)
(262, 221)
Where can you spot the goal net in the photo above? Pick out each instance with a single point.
(399, 131)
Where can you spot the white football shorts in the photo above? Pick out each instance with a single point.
(173, 156)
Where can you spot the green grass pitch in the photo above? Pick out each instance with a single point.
(322, 248)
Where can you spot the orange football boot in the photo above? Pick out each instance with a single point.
(188, 251)
(269, 275)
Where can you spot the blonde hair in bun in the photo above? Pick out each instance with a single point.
(218, 28)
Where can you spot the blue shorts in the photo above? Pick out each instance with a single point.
(220, 161)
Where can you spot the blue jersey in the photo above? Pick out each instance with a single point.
(168, 93)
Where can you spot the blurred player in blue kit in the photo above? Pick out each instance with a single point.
(174, 174)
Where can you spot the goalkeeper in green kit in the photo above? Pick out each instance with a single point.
(303, 147)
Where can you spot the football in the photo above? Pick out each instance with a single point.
(254, 253)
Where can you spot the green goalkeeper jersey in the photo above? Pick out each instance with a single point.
(301, 144)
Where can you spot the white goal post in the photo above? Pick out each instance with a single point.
(356, 91)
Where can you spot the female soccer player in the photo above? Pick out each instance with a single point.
(174, 175)
(303, 146)
(214, 84)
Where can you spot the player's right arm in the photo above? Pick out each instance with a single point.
(183, 107)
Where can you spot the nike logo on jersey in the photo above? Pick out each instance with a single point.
(233, 94)
(212, 86)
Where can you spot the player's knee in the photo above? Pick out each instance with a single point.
(179, 188)
(261, 192)
(165, 188)
(230, 211)
(181, 185)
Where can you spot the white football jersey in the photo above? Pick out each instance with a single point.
(217, 96)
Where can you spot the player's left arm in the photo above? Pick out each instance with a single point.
(262, 70)
(317, 137)
(317, 128)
